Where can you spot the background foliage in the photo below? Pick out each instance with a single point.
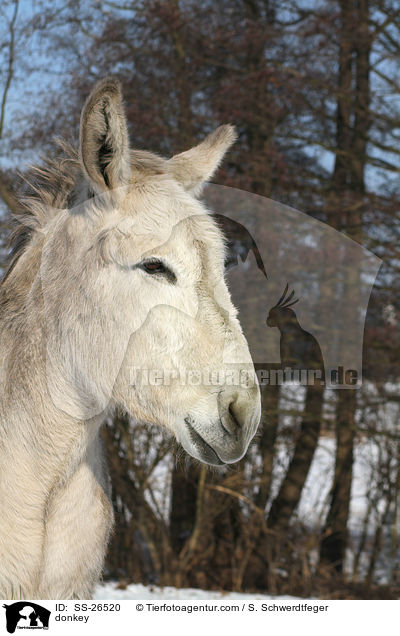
(314, 90)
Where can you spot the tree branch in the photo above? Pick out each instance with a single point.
(10, 70)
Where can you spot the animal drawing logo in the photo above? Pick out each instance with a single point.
(299, 349)
(26, 615)
(239, 243)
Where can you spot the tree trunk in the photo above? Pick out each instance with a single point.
(348, 180)
(334, 542)
(183, 503)
(290, 492)
(269, 429)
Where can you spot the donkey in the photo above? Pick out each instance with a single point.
(117, 267)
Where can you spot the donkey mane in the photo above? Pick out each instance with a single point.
(46, 189)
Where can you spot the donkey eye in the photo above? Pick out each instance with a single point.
(154, 267)
(157, 267)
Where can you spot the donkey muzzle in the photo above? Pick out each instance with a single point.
(225, 440)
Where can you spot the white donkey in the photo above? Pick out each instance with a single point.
(121, 270)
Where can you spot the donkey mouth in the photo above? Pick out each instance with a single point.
(208, 454)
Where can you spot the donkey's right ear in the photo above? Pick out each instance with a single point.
(104, 142)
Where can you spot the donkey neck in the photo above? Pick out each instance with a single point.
(28, 415)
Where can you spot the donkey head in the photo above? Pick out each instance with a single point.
(138, 312)
(281, 314)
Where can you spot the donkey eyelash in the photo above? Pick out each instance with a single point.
(157, 267)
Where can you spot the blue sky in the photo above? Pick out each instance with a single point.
(42, 73)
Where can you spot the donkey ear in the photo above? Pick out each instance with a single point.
(104, 143)
(192, 167)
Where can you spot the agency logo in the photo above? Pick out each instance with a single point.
(306, 280)
(26, 615)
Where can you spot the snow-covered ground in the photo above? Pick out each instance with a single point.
(109, 591)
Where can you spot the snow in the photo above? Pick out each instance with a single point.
(137, 591)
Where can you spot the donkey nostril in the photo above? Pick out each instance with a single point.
(233, 416)
(230, 423)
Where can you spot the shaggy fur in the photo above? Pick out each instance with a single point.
(82, 313)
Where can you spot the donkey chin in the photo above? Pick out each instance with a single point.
(221, 441)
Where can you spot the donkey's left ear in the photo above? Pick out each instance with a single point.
(104, 142)
(195, 166)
